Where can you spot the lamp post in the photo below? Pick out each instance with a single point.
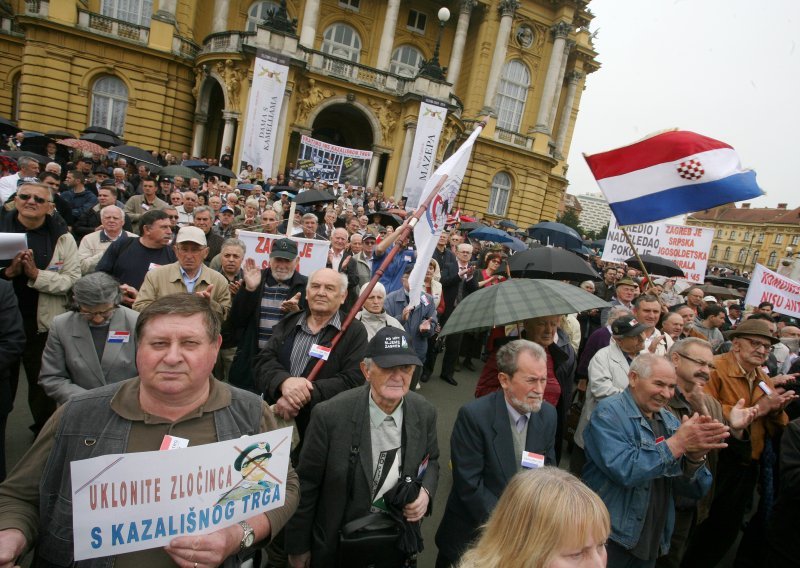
(431, 68)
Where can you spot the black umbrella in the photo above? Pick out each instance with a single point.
(101, 130)
(276, 189)
(388, 219)
(134, 153)
(550, 263)
(470, 226)
(183, 171)
(506, 224)
(24, 153)
(735, 281)
(8, 127)
(197, 165)
(59, 134)
(406, 491)
(104, 140)
(314, 196)
(657, 265)
(219, 171)
(556, 234)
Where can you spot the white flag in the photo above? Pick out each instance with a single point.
(423, 154)
(429, 228)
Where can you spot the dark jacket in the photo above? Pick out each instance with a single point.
(339, 373)
(90, 220)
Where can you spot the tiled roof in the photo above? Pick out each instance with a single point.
(732, 214)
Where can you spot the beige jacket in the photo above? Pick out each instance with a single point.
(55, 282)
(166, 280)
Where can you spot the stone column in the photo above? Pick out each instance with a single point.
(574, 79)
(283, 134)
(220, 21)
(200, 120)
(230, 118)
(387, 37)
(405, 159)
(166, 10)
(507, 8)
(559, 82)
(308, 29)
(372, 174)
(457, 54)
(560, 32)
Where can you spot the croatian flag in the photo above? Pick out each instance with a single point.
(669, 174)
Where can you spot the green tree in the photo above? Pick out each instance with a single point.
(570, 219)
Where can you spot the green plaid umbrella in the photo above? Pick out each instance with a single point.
(517, 300)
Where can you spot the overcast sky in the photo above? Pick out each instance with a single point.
(727, 69)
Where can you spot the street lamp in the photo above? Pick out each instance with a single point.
(431, 68)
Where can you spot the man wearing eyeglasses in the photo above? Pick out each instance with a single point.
(42, 275)
(693, 360)
(738, 375)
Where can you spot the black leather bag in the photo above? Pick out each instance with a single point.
(370, 542)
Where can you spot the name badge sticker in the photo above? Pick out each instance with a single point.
(152, 266)
(320, 352)
(56, 267)
(531, 460)
(119, 336)
(173, 443)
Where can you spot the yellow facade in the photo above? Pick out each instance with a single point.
(188, 71)
(745, 236)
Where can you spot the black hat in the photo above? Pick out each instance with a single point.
(391, 347)
(100, 170)
(108, 183)
(284, 248)
(628, 326)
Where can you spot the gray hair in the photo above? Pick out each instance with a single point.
(586, 283)
(644, 363)
(378, 287)
(55, 165)
(615, 313)
(25, 161)
(234, 243)
(119, 170)
(309, 216)
(111, 209)
(342, 279)
(96, 289)
(682, 346)
(204, 209)
(508, 355)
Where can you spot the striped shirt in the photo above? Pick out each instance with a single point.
(304, 339)
(270, 312)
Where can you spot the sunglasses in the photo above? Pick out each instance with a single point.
(28, 197)
(173, 216)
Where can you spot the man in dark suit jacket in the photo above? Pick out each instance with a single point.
(493, 438)
(12, 344)
(345, 431)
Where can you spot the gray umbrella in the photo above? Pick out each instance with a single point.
(517, 300)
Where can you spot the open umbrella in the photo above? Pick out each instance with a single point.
(219, 171)
(735, 281)
(314, 196)
(491, 234)
(506, 224)
(134, 153)
(8, 126)
(516, 300)
(657, 265)
(550, 263)
(24, 153)
(388, 219)
(470, 225)
(246, 186)
(719, 292)
(59, 134)
(105, 140)
(84, 146)
(197, 165)
(556, 234)
(8, 164)
(183, 171)
(100, 130)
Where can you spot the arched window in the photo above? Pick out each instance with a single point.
(773, 258)
(511, 95)
(132, 11)
(16, 88)
(727, 255)
(498, 197)
(109, 104)
(714, 251)
(340, 40)
(258, 12)
(405, 61)
(742, 255)
(755, 257)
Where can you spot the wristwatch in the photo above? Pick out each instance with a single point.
(249, 536)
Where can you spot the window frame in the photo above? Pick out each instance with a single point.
(143, 11)
(415, 27)
(329, 46)
(114, 100)
(262, 4)
(497, 192)
(396, 66)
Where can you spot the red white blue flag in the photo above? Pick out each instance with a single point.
(669, 174)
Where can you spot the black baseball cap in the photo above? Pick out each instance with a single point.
(628, 326)
(391, 347)
(284, 248)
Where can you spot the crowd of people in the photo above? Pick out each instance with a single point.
(135, 307)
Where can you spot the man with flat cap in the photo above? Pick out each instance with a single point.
(624, 294)
(358, 446)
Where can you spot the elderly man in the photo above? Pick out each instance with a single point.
(129, 260)
(608, 375)
(92, 346)
(694, 299)
(42, 275)
(94, 245)
(309, 227)
(90, 221)
(456, 290)
(639, 456)
(338, 255)
(174, 394)
(188, 274)
(28, 168)
(693, 362)
(138, 205)
(224, 225)
(378, 428)
(672, 325)
(625, 293)
(187, 208)
(269, 222)
(125, 188)
(302, 338)
(12, 344)
(204, 219)
(493, 438)
(738, 375)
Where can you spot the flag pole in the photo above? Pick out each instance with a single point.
(636, 254)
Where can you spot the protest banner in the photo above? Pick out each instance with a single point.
(128, 502)
(264, 110)
(768, 286)
(329, 162)
(687, 247)
(311, 253)
(430, 121)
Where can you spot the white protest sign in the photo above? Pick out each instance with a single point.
(685, 246)
(11, 244)
(768, 286)
(128, 502)
(311, 253)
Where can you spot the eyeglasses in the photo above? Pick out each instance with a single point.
(28, 197)
(173, 217)
(758, 344)
(698, 362)
(91, 315)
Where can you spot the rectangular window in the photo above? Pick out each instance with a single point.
(733, 235)
(778, 238)
(351, 4)
(136, 12)
(719, 233)
(795, 240)
(761, 237)
(417, 21)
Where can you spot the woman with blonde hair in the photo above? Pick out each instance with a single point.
(545, 518)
